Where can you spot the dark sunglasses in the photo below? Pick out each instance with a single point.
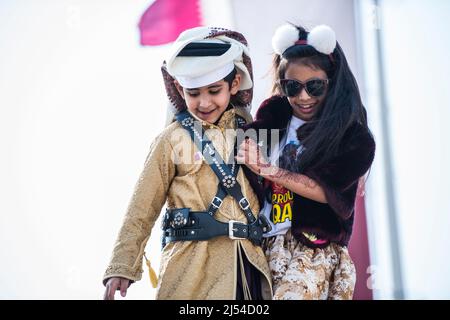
(314, 87)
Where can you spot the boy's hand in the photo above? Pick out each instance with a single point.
(114, 284)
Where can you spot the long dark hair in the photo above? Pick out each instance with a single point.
(341, 109)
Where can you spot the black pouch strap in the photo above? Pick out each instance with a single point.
(226, 178)
(217, 200)
(221, 193)
(202, 226)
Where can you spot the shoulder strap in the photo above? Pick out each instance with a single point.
(221, 193)
(227, 178)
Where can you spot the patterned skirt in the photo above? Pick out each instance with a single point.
(302, 273)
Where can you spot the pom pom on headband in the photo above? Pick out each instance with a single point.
(322, 38)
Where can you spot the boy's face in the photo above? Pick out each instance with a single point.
(209, 102)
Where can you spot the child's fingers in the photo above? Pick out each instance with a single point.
(106, 294)
(253, 148)
(123, 287)
(248, 143)
(111, 288)
(249, 149)
(243, 146)
(251, 145)
(251, 142)
(250, 153)
(240, 159)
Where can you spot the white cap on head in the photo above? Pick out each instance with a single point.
(200, 69)
(207, 78)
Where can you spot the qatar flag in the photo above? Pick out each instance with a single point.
(164, 20)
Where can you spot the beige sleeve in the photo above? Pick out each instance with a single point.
(143, 210)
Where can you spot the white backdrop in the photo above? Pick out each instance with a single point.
(415, 54)
(80, 103)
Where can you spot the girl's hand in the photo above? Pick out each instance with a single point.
(249, 153)
(114, 284)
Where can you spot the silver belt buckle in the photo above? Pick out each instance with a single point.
(231, 229)
(246, 204)
(217, 206)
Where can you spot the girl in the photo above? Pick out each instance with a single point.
(312, 175)
(208, 251)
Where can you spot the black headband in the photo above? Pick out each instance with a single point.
(202, 49)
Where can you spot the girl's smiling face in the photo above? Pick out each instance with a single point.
(303, 105)
(208, 103)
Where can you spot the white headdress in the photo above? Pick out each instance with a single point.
(199, 69)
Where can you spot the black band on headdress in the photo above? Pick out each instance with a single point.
(201, 49)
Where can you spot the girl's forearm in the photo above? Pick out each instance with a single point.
(297, 183)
